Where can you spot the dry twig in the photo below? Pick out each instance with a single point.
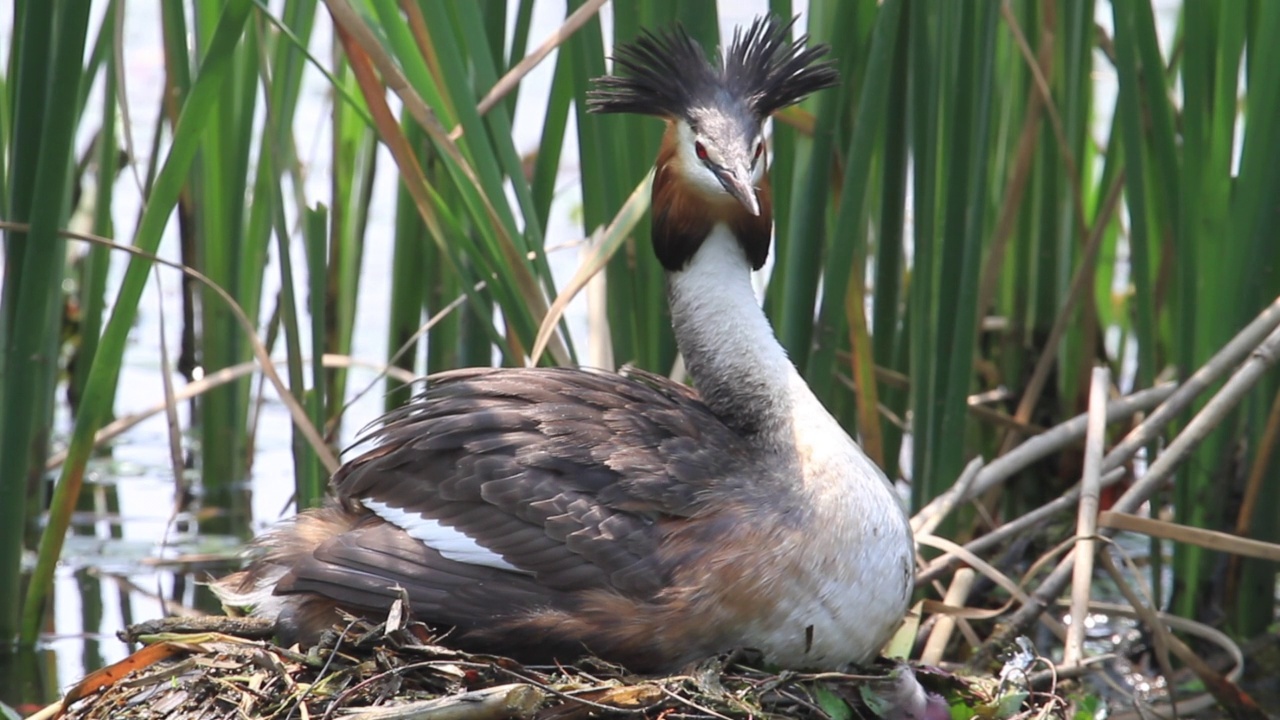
(1087, 520)
(1261, 358)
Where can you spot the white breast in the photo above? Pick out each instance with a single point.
(850, 577)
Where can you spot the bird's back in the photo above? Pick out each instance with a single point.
(503, 502)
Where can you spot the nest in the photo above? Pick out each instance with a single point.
(228, 668)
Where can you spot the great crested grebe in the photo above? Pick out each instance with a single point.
(545, 513)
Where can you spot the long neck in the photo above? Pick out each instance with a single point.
(736, 362)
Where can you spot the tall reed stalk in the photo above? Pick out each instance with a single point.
(43, 83)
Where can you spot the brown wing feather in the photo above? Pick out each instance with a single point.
(567, 474)
(364, 568)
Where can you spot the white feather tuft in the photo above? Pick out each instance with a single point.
(449, 542)
(260, 600)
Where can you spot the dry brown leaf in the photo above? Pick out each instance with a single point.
(110, 675)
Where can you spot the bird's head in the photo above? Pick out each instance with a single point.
(712, 164)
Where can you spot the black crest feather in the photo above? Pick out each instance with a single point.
(667, 73)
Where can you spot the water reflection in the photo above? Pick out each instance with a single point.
(28, 679)
(92, 603)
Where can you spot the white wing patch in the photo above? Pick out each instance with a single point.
(452, 544)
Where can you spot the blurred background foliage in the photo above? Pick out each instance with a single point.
(965, 227)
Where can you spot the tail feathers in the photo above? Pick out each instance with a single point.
(253, 590)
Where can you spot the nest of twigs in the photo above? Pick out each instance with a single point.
(227, 668)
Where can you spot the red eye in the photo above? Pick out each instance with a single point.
(759, 150)
(701, 151)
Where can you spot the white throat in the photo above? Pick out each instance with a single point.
(736, 361)
(744, 375)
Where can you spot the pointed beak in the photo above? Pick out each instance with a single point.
(737, 182)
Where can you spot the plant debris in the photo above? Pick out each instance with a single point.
(223, 668)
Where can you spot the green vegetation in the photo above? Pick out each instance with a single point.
(965, 227)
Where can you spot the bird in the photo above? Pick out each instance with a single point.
(546, 514)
